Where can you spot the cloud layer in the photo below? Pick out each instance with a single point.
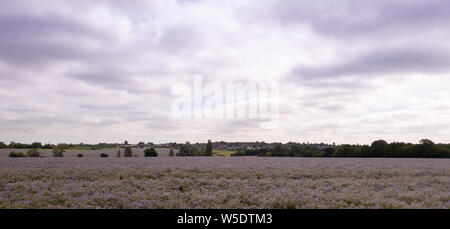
(349, 71)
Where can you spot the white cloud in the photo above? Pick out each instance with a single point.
(97, 72)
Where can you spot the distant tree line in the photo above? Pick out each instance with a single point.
(380, 148)
(425, 149)
(190, 150)
(38, 145)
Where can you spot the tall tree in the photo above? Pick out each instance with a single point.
(208, 151)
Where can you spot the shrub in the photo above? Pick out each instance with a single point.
(241, 153)
(104, 155)
(14, 154)
(171, 154)
(151, 152)
(187, 150)
(80, 155)
(128, 152)
(33, 153)
(58, 152)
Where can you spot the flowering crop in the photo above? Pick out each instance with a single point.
(224, 182)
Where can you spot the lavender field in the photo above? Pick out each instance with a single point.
(224, 182)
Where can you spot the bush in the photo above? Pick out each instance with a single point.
(128, 152)
(80, 155)
(33, 153)
(57, 152)
(186, 150)
(104, 155)
(151, 152)
(241, 153)
(14, 154)
(171, 154)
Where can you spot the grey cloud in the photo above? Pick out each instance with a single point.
(179, 38)
(383, 62)
(60, 66)
(33, 40)
(363, 17)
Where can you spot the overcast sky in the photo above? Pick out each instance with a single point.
(350, 71)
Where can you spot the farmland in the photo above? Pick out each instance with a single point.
(223, 182)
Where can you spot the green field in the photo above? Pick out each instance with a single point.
(224, 153)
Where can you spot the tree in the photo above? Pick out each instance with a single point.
(12, 145)
(278, 150)
(58, 152)
(3, 145)
(128, 152)
(186, 150)
(344, 151)
(208, 151)
(362, 151)
(63, 146)
(328, 152)
(36, 145)
(171, 153)
(33, 153)
(126, 142)
(150, 152)
(427, 148)
(118, 153)
(47, 146)
(379, 148)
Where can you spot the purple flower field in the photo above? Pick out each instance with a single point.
(224, 182)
